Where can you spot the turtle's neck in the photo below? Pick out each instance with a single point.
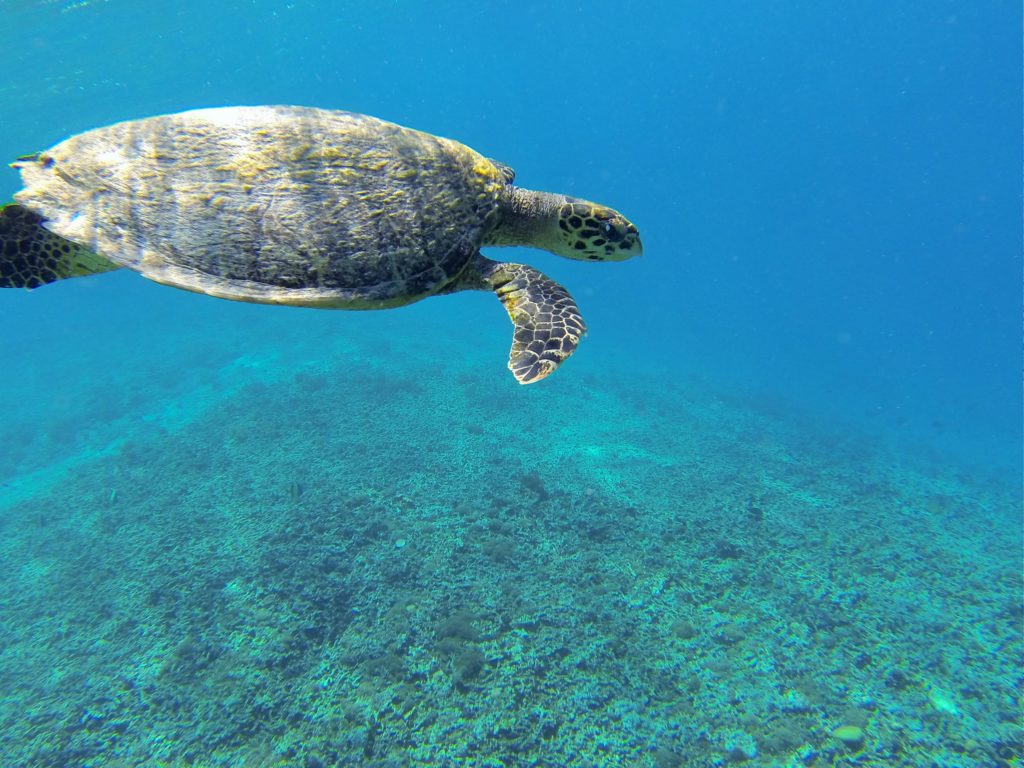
(528, 218)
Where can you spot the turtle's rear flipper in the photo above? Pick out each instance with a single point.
(547, 320)
(31, 255)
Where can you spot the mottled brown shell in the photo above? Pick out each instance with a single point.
(283, 205)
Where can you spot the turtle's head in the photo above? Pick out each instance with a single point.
(565, 226)
(591, 232)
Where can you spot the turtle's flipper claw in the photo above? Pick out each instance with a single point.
(548, 325)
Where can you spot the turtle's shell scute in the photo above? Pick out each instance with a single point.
(277, 204)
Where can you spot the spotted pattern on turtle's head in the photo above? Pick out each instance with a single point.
(592, 232)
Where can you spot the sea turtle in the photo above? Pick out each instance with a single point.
(304, 207)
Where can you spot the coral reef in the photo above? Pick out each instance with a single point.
(333, 554)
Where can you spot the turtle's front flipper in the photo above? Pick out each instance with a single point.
(31, 255)
(547, 320)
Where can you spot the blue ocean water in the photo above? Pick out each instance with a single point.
(769, 513)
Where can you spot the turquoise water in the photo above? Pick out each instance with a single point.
(769, 514)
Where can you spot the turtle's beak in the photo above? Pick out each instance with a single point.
(635, 246)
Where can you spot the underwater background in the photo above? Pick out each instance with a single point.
(768, 515)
